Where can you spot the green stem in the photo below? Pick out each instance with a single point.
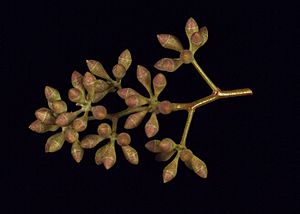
(187, 126)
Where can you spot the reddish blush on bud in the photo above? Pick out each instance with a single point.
(165, 107)
(134, 120)
(59, 106)
(153, 146)
(75, 95)
(109, 158)
(144, 77)
(164, 156)
(119, 71)
(123, 139)
(38, 126)
(104, 130)
(136, 100)
(125, 59)
(199, 167)
(126, 92)
(130, 154)
(55, 142)
(159, 83)
(90, 141)
(65, 118)
(71, 135)
(167, 145)
(191, 27)
(99, 112)
(97, 69)
(45, 116)
(152, 126)
(51, 94)
(170, 170)
(80, 124)
(170, 42)
(186, 155)
(76, 80)
(77, 152)
(167, 64)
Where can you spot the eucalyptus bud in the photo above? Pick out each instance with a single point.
(99, 112)
(97, 69)
(100, 153)
(165, 107)
(198, 39)
(199, 167)
(39, 127)
(126, 92)
(159, 83)
(104, 130)
(170, 170)
(80, 124)
(89, 83)
(153, 146)
(130, 154)
(71, 135)
(77, 152)
(65, 118)
(90, 141)
(186, 155)
(191, 27)
(167, 145)
(152, 126)
(167, 64)
(144, 77)
(101, 86)
(99, 96)
(164, 156)
(136, 100)
(170, 42)
(76, 95)
(134, 120)
(76, 80)
(55, 142)
(51, 94)
(119, 71)
(123, 139)
(106, 155)
(59, 106)
(186, 56)
(125, 59)
(45, 116)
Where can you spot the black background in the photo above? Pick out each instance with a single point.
(248, 143)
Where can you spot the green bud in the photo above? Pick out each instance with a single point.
(130, 154)
(51, 94)
(76, 95)
(126, 92)
(106, 155)
(45, 116)
(71, 135)
(159, 83)
(136, 100)
(90, 141)
(119, 71)
(153, 146)
(89, 83)
(76, 80)
(125, 59)
(152, 126)
(97, 69)
(191, 27)
(104, 130)
(199, 167)
(134, 120)
(59, 106)
(123, 139)
(77, 152)
(65, 118)
(186, 155)
(55, 142)
(170, 170)
(99, 112)
(164, 156)
(167, 64)
(170, 42)
(39, 127)
(144, 77)
(80, 124)
(167, 145)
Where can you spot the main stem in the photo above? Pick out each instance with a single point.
(187, 126)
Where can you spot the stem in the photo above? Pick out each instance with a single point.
(187, 126)
(203, 75)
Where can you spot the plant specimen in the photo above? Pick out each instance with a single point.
(89, 89)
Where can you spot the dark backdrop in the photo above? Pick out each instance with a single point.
(246, 142)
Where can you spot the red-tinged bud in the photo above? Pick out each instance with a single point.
(97, 69)
(126, 92)
(76, 80)
(170, 170)
(90, 141)
(130, 154)
(199, 167)
(45, 116)
(99, 96)
(134, 120)
(80, 124)
(89, 83)
(186, 155)
(144, 77)
(159, 83)
(76, 95)
(109, 158)
(39, 127)
(77, 152)
(164, 156)
(59, 106)
(152, 126)
(51, 94)
(125, 59)
(170, 42)
(100, 153)
(136, 100)
(198, 39)
(167, 64)
(101, 86)
(153, 146)
(65, 118)
(104, 130)
(167, 145)
(165, 107)
(99, 112)
(186, 56)
(55, 142)
(191, 27)
(123, 139)
(119, 71)
(71, 135)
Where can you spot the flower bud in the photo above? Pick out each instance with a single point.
(39, 127)
(76, 80)
(123, 139)
(170, 42)
(170, 170)
(152, 126)
(164, 156)
(126, 92)
(198, 39)
(106, 155)
(76, 95)
(59, 106)
(199, 167)
(104, 130)
(99, 112)
(45, 116)
(159, 83)
(153, 146)
(167, 145)
(186, 56)
(71, 135)
(130, 154)
(89, 83)
(186, 155)
(97, 69)
(55, 142)
(119, 71)
(136, 100)
(51, 94)
(100, 153)
(191, 27)
(90, 141)
(167, 64)
(101, 86)
(77, 152)
(99, 96)
(134, 120)
(80, 124)
(125, 59)
(165, 107)
(144, 77)
(65, 118)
